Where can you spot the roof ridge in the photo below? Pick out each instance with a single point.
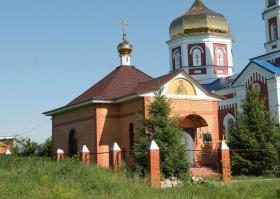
(118, 82)
(171, 73)
(141, 71)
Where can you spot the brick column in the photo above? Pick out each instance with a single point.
(59, 154)
(115, 156)
(84, 155)
(225, 162)
(154, 164)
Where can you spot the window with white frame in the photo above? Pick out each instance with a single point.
(273, 31)
(177, 59)
(227, 123)
(256, 87)
(196, 56)
(220, 56)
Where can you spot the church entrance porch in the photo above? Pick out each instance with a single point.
(199, 145)
(193, 125)
(188, 141)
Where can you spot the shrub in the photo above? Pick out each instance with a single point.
(255, 130)
(162, 128)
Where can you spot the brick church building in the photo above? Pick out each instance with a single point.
(203, 90)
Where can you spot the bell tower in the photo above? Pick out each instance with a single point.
(271, 17)
(201, 44)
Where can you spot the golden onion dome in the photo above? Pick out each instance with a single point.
(124, 47)
(199, 19)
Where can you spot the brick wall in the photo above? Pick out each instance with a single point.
(82, 121)
(208, 110)
(103, 124)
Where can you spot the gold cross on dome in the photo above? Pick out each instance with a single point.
(124, 27)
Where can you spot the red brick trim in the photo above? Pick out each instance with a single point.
(224, 46)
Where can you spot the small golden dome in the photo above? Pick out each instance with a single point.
(124, 48)
(199, 19)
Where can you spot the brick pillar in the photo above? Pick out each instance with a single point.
(154, 164)
(84, 155)
(115, 156)
(59, 154)
(225, 162)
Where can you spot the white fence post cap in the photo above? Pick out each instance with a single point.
(59, 150)
(224, 146)
(153, 146)
(8, 152)
(84, 149)
(115, 147)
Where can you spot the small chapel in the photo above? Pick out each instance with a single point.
(200, 85)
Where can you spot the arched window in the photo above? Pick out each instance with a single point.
(131, 136)
(220, 56)
(177, 59)
(256, 87)
(196, 56)
(73, 148)
(274, 31)
(228, 122)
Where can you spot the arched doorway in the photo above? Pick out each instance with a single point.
(189, 125)
(73, 148)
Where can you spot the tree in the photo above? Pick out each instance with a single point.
(28, 147)
(254, 137)
(162, 128)
(45, 147)
(25, 146)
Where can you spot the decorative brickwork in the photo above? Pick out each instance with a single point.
(225, 162)
(223, 111)
(154, 164)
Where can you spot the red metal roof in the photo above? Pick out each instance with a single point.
(119, 83)
(152, 84)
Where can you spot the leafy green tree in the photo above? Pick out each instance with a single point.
(162, 128)
(254, 137)
(45, 147)
(26, 146)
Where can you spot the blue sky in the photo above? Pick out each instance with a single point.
(51, 51)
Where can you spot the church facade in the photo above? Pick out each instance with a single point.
(261, 74)
(201, 87)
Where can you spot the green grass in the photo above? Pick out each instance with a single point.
(36, 178)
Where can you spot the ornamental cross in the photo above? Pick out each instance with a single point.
(197, 59)
(124, 26)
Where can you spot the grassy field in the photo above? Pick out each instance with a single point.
(36, 178)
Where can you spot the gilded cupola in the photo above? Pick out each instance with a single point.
(199, 19)
(124, 48)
